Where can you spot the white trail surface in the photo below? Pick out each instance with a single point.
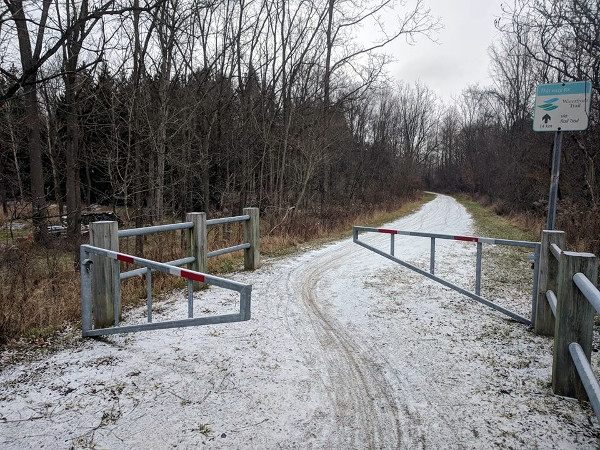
(345, 350)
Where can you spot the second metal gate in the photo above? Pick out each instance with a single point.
(431, 274)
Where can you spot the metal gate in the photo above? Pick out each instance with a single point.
(431, 274)
(191, 275)
(102, 306)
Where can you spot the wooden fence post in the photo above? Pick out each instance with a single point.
(574, 322)
(547, 274)
(197, 246)
(105, 235)
(252, 236)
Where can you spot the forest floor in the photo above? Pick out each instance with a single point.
(345, 349)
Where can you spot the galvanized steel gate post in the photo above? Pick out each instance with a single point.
(552, 198)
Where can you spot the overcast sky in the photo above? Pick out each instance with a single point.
(461, 56)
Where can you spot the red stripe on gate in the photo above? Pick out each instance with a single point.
(124, 258)
(192, 276)
(466, 238)
(383, 230)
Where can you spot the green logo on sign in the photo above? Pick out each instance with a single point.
(548, 105)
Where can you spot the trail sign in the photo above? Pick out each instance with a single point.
(562, 106)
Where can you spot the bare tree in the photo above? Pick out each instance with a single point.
(515, 78)
(345, 16)
(31, 58)
(562, 37)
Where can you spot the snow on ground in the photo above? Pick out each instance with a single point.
(345, 349)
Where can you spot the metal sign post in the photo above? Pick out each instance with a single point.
(554, 181)
(560, 107)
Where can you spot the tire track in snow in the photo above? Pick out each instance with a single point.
(374, 401)
(366, 409)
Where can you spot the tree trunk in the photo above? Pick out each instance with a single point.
(329, 49)
(15, 152)
(32, 113)
(38, 197)
(73, 164)
(51, 132)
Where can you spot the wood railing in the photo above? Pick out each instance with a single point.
(567, 301)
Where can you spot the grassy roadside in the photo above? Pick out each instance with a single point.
(490, 224)
(273, 247)
(507, 274)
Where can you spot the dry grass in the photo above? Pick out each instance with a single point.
(495, 220)
(39, 285)
(580, 223)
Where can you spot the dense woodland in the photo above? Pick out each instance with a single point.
(179, 105)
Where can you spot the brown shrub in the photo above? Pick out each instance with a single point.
(39, 290)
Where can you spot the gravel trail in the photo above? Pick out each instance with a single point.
(345, 349)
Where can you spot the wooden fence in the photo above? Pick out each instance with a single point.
(567, 301)
(105, 273)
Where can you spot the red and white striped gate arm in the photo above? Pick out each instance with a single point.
(195, 276)
(86, 294)
(431, 274)
(438, 236)
(167, 268)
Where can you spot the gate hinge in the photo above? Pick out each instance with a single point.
(86, 263)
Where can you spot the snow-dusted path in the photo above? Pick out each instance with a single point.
(344, 350)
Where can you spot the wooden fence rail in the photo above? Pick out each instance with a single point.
(569, 280)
